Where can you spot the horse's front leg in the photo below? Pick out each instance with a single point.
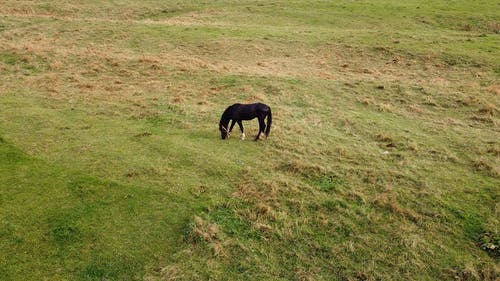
(242, 130)
(230, 128)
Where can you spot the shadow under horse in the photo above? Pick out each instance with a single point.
(238, 112)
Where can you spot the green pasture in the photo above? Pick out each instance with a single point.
(383, 161)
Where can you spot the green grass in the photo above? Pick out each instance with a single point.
(382, 164)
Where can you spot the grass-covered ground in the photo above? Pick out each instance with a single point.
(382, 163)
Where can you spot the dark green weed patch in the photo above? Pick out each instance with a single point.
(11, 58)
(334, 205)
(473, 225)
(9, 155)
(64, 233)
(327, 183)
(232, 223)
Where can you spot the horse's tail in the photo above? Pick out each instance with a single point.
(269, 122)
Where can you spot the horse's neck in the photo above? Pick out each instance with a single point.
(226, 117)
(224, 121)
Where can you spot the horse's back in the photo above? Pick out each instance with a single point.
(263, 107)
(249, 106)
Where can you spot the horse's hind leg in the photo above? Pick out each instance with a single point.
(241, 128)
(262, 127)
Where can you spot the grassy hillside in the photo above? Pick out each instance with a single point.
(382, 163)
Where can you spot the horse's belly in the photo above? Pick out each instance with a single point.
(247, 118)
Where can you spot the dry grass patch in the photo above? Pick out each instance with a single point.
(389, 202)
(484, 165)
(203, 231)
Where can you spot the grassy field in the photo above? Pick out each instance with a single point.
(383, 162)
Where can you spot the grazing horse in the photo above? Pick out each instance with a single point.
(238, 112)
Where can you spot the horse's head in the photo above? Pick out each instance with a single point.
(224, 133)
(224, 123)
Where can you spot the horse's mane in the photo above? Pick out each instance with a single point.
(225, 115)
(231, 107)
(224, 120)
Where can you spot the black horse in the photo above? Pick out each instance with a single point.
(238, 112)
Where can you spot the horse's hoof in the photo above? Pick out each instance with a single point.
(243, 136)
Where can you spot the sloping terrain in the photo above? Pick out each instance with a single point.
(382, 163)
